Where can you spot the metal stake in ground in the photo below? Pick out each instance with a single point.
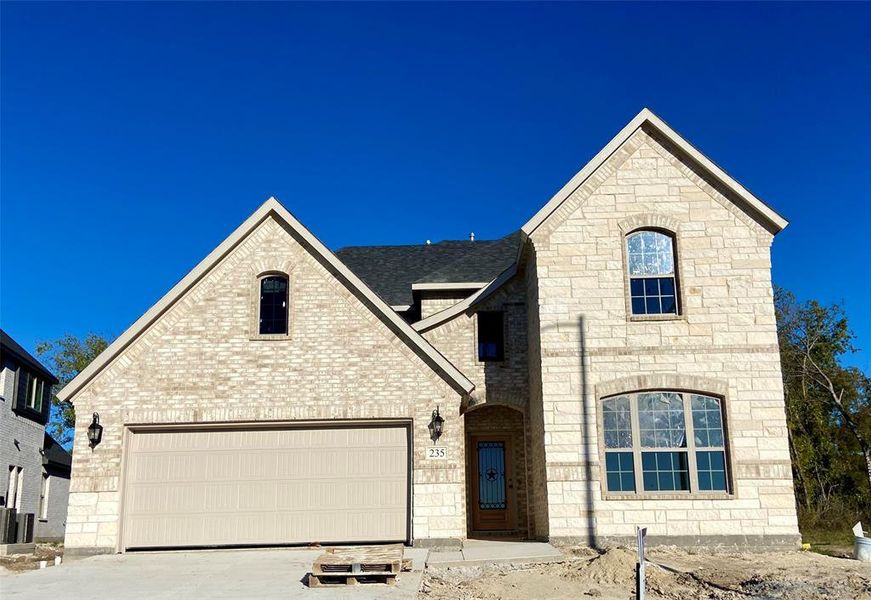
(640, 594)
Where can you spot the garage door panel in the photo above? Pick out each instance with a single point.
(266, 486)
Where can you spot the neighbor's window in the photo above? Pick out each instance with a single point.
(35, 389)
(652, 282)
(14, 489)
(273, 304)
(43, 497)
(664, 442)
(491, 336)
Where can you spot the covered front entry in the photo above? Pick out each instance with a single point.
(496, 472)
(245, 485)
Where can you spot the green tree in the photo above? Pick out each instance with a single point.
(66, 357)
(828, 407)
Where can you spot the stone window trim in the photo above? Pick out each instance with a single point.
(661, 224)
(685, 384)
(254, 334)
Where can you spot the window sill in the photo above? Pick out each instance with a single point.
(267, 337)
(648, 318)
(670, 496)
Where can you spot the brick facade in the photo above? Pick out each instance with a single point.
(200, 363)
(570, 341)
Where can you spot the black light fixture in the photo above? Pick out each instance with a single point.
(95, 431)
(436, 425)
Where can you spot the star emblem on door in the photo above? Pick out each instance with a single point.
(491, 474)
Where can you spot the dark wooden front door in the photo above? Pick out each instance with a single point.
(492, 483)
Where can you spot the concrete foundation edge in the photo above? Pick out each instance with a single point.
(85, 552)
(760, 543)
(439, 544)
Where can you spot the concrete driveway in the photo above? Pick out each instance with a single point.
(220, 574)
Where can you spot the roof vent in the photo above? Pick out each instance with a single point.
(472, 237)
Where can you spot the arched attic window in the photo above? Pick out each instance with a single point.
(652, 274)
(273, 304)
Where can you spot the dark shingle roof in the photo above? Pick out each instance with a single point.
(10, 346)
(55, 454)
(391, 270)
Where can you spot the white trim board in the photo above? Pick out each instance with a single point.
(272, 207)
(753, 205)
(431, 287)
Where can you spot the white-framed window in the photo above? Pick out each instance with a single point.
(43, 495)
(15, 490)
(664, 442)
(652, 273)
(35, 391)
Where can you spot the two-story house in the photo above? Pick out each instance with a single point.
(613, 363)
(36, 469)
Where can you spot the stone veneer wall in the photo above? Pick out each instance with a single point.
(725, 337)
(203, 362)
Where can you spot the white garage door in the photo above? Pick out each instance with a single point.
(266, 486)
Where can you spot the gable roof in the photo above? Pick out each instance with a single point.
(394, 271)
(10, 346)
(273, 208)
(764, 214)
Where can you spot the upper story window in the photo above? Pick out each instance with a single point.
(652, 277)
(273, 304)
(35, 391)
(664, 442)
(491, 336)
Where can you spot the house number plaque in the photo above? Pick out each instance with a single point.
(437, 453)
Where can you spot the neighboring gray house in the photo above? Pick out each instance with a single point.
(36, 470)
(613, 363)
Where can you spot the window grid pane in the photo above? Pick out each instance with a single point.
(707, 422)
(712, 471)
(650, 253)
(617, 422)
(661, 422)
(653, 296)
(620, 471)
(273, 305)
(665, 471)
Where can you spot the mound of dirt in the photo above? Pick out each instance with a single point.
(612, 567)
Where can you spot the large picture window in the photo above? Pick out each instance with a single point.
(664, 442)
(273, 304)
(652, 277)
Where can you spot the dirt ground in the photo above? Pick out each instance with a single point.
(672, 574)
(27, 562)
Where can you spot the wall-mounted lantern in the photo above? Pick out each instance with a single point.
(436, 425)
(95, 431)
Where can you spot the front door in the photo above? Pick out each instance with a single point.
(492, 483)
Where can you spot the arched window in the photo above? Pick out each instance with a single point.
(664, 441)
(273, 304)
(652, 277)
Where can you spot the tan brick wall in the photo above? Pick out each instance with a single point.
(726, 332)
(199, 363)
(434, 302)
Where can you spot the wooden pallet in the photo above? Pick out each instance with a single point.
(345, 580)
(359, 564)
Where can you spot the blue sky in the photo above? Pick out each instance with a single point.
(135, 137)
